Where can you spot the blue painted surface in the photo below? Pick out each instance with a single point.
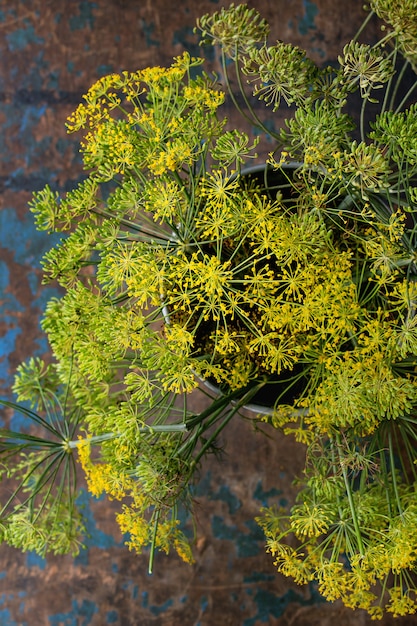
(226, 495)
(7, 620)
(22, 37)
(148, 30)
(270, 606)
(34, 92)
(85, 18)
(79, 615)
(34, 560)
(306, 23)
(20, 237)
(265, 496)
(94, 535)
(112, 617)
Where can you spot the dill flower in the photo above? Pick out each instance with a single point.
(333, 582)
(166, 200)
(310, 521)
(402, 19)
(139, 529)
(366, 167)
(315, 125)
(401, 603)
(233, 148)
(283, 71)
(234, 28)
(366, 65)
(397, 132)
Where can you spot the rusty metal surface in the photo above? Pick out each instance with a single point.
(51, 51)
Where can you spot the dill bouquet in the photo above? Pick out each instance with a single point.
(353, 528)
(292, 287)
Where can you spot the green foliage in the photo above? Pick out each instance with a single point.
(39, 512)
(354, 507)
(283, 71)
(300, 277)
(351, 331)
(233, 28)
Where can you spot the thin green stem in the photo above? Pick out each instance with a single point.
(349, 494)
(24, 482)
(406, 97)
(148, 429)
(230, 414)
(32, 416)
(153, 542)
(364, 24)
(393, 472)
(50, 477)
(255, 119)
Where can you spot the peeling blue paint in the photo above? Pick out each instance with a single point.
(306, 23)
(148, 30)
(270, 605)
(53, 81)
(264, 496)
(85, 18)
(221, 530)
(133, 588)
(21, 181)
(6, 619)
(8, 342)
(42, 346)
(257, 577)
(95, 537)
(19, 423)
(21, 238)
(247, 544)
(186, 34)
(250, 544)
(102, 70)
(33, 559)
(4, 277)
(203, 488)
(33, 79)
(225, 495)
(87, 609)
(20, 38)
(31, 115)
(112, 617)
(158, 609)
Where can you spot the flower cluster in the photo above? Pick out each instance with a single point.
(354, 528)
(291, 286)
(40, 511)
(342, 303)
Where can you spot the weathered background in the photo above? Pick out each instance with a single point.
(50, 52)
